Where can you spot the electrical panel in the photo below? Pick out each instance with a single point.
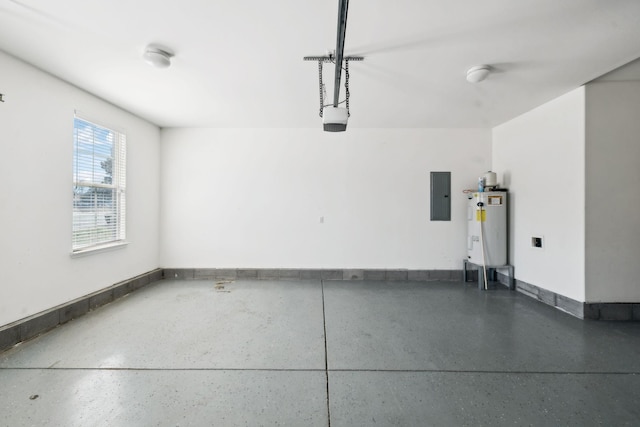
(440, 196)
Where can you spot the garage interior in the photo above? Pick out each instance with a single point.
(272, 272)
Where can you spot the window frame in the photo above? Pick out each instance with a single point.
(107, 235)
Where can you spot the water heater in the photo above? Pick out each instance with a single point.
(487, 220)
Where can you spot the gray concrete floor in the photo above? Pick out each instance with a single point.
(320, 353)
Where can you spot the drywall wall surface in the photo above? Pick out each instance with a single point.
(36, 160)
(540, 157)
(613, 196)
(304, 198)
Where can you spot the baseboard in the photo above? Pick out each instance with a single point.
(39, 323)
(629, 312)
(317, 274)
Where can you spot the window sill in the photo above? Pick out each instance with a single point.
(99, 248)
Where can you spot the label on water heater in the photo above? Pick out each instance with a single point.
(481, 215)
(495, 200)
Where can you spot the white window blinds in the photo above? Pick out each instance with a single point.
(99, 185)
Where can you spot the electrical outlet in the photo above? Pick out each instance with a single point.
(537, 242)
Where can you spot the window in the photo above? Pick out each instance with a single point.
(99, 169)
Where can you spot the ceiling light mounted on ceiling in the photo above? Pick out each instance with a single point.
(478, 73)
(157, 57)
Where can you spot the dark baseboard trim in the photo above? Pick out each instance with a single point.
(569, 305)
(628, 312)
(317, 274)
(39, 323)
(624, 311)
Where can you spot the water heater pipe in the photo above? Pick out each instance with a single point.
(484, 260)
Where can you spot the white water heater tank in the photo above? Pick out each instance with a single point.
(489, 221)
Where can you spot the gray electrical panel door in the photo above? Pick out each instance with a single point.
(440, 196)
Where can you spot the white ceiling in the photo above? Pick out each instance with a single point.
(239, 63)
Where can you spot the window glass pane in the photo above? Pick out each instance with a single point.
(98, 190)
(94, 148)
(94, 216)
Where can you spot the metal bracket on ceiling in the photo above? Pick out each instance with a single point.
(339, 52)
(332, 58)
(336, 57)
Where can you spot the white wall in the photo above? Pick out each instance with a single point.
(540, 157)
(36, 152)
(255, 197)
(613, 191)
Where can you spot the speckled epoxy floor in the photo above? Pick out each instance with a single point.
(180, 353)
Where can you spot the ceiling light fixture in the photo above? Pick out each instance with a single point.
(157, 57)
(478, 73)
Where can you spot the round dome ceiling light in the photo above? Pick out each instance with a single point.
(157, 57)
(478, 73)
